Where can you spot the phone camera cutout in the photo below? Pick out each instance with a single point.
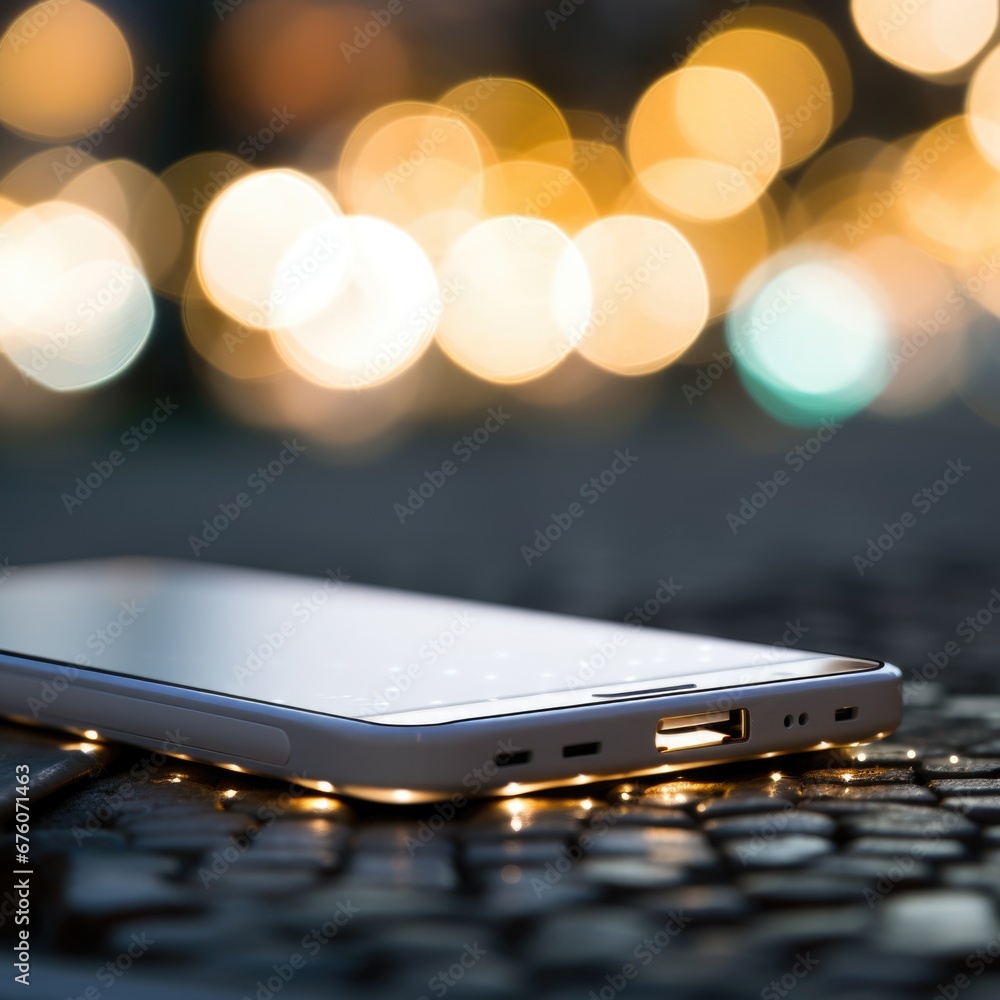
(804, 719)
(789, 721)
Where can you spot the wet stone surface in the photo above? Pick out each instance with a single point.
(867, 873)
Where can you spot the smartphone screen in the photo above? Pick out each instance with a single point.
(338, 648)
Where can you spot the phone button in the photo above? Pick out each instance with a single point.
(175, 729)
(634, 691)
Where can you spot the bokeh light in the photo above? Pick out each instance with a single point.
(240, 351)
(728, 248)
(947, 198)
(288, 65)
(791, 77)
(42, 176)
(930, 314)
(514, 115)
(353, 423)
(649, 294)
(75, 307)
(271, 251)
(550, 249)
(381, 318)
(818, 38)
(810, 336)
(929, 37)
(192, 184)
(705, 142)
(983, 107)
(521, 298)
(601, 169)
(538, 191)
(412, 166)
(64, 68)
(138, 204)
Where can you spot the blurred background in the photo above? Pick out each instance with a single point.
(582, 305)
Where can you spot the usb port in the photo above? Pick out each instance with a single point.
(710, 729)
(845, 714)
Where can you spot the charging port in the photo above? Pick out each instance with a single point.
(710, 729)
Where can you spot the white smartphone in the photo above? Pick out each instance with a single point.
(401, 697)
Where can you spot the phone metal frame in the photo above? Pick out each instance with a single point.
(456, 760)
